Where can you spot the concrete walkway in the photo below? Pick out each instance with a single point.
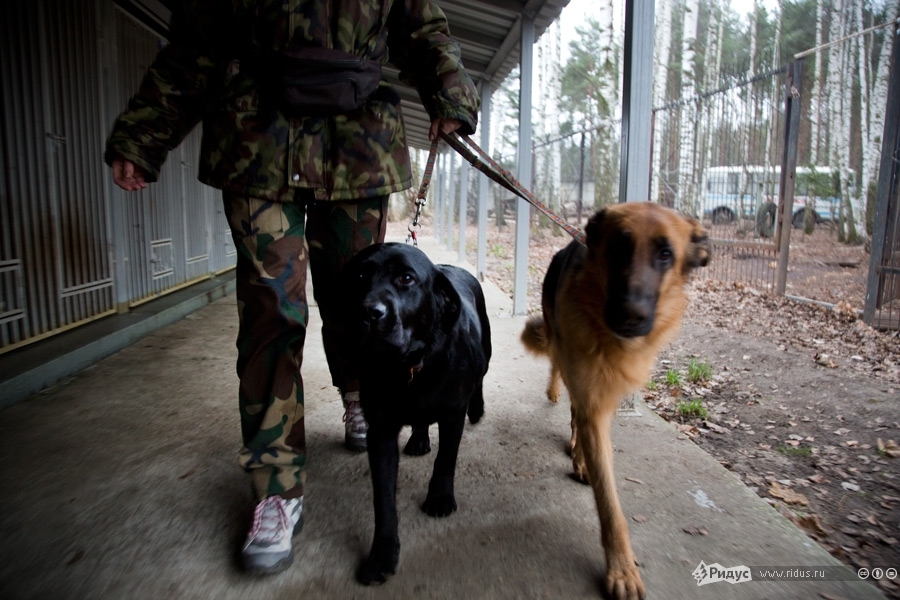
(122, 482)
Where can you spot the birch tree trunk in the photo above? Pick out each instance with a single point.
(750, 111)
(815, 97)
(839, 103)
(662, 53)
(777, 105)
(547, 92)
(713, 61)
(877, 102)
(687, 200)
(866, 167)
(605, 155)
(855, 210)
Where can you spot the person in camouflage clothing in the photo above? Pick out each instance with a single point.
(299, 191)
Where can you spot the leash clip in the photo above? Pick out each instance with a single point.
(415, 227)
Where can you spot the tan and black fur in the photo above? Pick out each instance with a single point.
(608, 307)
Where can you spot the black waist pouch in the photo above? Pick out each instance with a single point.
(325, 81)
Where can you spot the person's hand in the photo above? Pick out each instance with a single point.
(128, 175)
(443, 126)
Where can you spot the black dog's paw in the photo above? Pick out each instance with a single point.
(419, 443)
(378, 567)
(475, 413)
(439, 505)
(476, 406)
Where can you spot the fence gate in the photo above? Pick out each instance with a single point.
(882, 308)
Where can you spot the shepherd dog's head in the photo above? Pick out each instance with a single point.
(643, 252)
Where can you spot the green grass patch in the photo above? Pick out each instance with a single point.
(795, 451)
(673, 378)
(498, 251)
(691, 408)
(699, 371)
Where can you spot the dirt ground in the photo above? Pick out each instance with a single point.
(801, 404)
(797, 400)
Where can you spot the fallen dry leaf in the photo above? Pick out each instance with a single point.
(715, 428)
(812, 524)
(825, 361)
(689, 430)
(695, 531)
(888, 448)
(787, 495)
(828, 596)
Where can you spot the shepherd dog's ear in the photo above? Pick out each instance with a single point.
(698, 254)
(594, 229)
(447, 301)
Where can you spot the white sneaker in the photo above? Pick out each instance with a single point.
(269, 547)
(355, 426)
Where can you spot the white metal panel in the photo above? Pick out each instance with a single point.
(173, 227)
(54, 259)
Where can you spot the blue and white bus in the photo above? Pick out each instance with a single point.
(749, 191)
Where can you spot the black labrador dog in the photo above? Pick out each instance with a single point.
(420, 342)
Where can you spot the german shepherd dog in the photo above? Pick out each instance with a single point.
(608, 307)
(421, 343)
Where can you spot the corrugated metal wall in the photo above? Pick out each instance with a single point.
(169, 226)
(55, 257)
(74, 248)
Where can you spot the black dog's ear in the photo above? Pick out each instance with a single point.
(448, 302)
(594, 229)
(698, 254)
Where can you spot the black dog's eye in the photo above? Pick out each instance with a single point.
(406, 279)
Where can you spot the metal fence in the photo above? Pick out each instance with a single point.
(718, 156)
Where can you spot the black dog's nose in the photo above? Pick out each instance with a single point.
(376, 311)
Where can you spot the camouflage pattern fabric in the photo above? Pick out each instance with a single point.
(275, 244)
(251, 147)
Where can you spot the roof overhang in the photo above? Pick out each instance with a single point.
(489, 35)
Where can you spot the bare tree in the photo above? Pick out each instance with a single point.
(687, 200)
(815, 100)
(662, 53)
(874, 100)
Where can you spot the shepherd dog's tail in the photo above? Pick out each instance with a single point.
(534, 336)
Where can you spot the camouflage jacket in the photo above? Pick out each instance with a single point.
(251, 147)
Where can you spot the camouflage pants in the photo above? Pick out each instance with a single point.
(275, 243)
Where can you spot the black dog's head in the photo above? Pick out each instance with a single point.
(398, 301)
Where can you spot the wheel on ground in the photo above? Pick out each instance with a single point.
(765, 220)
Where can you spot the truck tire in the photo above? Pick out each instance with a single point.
(765, 219)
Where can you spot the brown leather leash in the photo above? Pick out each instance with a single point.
(484, 163)
(415, 227)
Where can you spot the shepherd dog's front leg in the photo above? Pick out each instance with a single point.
(623, 581)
